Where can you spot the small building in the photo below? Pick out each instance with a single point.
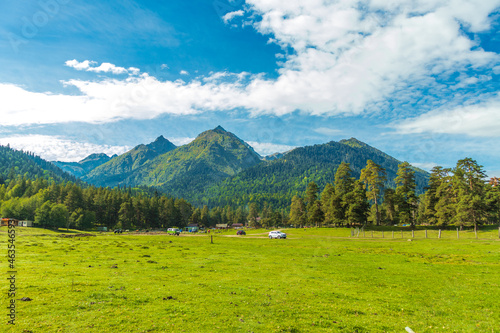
(192, 228)
(25, 223)
(8, 221)
(237, 225)
(221, 226)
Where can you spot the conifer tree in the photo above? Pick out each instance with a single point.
(298, 215)
(469, 181)
(373, 176)
(405, 192)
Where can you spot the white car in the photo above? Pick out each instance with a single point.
(276, 234)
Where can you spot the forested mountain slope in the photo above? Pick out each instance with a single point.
(277, 181)
(119, 168)
(18, 163)
(81, 168)
(214, 155)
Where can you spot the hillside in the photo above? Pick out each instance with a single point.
(115, 171)
(214, 155)
(81, 168)
(18, 163)
(278, 180)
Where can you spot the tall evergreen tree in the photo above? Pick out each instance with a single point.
(357, 204)
(298, 214)
(373, 176)
(405, 192)
(469, 180)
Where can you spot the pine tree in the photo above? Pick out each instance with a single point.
(405, 192)
(326, 200)
(431, 197)
(373, 176)
(298, 215)
(357, 204)
(471, 207)
(344, 184)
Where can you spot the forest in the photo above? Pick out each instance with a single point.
(33, 189)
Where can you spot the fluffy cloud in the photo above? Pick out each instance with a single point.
(477, 120)
(54, 148)
(328, 131)
(349, 58)
(265, 149)
(105, 67)
(231, 15)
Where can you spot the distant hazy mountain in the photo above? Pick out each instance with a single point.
(115, 171)
(80, 169)
(278, 180)
(275, 156)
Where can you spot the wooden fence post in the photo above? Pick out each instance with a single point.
(372, 233)
(211, 239)
(413, 234)
(439, 233)
(401, 233)
(425, 233)
(458, 234)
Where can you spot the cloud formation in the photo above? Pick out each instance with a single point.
(266, 148)
(347, 58)
(231, 15)
(105, 67)
(54, 148)
(476, 120)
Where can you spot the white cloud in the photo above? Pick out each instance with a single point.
(231, 15)
(328, 131)
(265, 149)
(105, 67)
(183, 72)
(54, 148)
(477, 120)
(425, 166)
(181, 141)
(350, 57)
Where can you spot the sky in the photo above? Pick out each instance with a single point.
(417, 79)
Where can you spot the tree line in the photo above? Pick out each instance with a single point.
(52, 204)
(457, 196)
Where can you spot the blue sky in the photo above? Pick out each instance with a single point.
(417, 79)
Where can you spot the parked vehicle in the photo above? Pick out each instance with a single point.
(173, 231)
(118, 231)
(241, 232)
(276, 234)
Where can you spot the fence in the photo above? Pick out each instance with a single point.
(426, 234)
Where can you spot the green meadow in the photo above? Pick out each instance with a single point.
(317, 280)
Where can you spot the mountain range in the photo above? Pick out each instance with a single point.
(218, 168)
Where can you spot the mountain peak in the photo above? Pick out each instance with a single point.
(219, 129)
(160, 138)
(161, 145)
(354, 143)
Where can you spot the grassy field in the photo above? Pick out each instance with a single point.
(317, 280)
